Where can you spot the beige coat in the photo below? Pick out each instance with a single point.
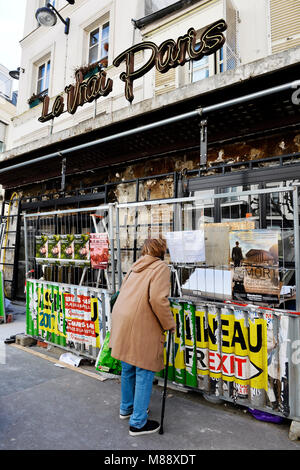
(141, 314)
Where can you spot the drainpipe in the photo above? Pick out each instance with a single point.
(198, 112)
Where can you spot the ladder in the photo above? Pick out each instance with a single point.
(9, 240)
(94, 217)
(2, 296)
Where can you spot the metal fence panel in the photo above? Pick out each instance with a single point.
(244, 354)
(269, 273)
(73, 317)
(68, 225)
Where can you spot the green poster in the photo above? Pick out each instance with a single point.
(29, 296)
(190, 345)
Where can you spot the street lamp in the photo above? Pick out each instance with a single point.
(16, 73)
(47, 16)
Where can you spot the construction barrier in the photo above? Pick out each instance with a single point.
(241, 353)
(73, 317)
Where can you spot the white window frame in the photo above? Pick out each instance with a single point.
(206, 63)
(3, 136)
(43, 3)
(199, 66)
(158, 5)
(88, 27)
(46, 77)
(100, 44)
(7, 85)
(216, 63)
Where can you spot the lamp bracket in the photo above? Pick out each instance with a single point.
(66, 21)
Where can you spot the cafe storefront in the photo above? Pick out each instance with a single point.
(217, 175)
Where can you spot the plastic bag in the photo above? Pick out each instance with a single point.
(264, 416)
(105, 362)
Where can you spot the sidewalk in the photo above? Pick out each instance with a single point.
(18, 325)
(47, 407)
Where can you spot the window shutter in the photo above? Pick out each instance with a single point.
(231, 44)
(164, 82)
(285, 21)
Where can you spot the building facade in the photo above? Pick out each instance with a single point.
(118, 109)
(7, 108)
(50, 58)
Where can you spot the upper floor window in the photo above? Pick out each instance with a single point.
(98, 44)
(3, 128)
(5, 85)
(222, 60)
(151, 6)
(43, 3)
(43, 77)
(200, 69)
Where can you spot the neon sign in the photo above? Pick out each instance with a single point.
(169, 54)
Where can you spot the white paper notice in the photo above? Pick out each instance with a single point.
(187, 246)
(210, 282)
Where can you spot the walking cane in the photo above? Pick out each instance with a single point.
(161, 429)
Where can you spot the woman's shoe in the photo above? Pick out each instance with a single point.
(149, 428)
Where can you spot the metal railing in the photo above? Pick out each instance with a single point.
(129, 224)
(245, 351)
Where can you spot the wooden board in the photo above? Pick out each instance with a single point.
(61, 363)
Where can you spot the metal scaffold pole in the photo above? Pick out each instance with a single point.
(297, 245)
(112, 245)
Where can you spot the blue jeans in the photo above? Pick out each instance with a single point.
(136, 388)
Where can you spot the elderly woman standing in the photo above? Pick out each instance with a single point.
(140, 316)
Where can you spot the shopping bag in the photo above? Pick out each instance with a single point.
(113, 300)
(105, 362)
